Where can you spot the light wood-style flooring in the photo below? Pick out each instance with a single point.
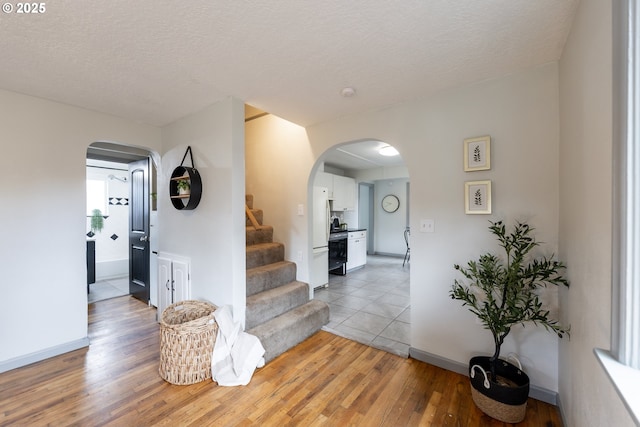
(325, 381)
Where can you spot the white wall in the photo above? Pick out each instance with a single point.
(389, 227)
(388, 235)
(42, 224)
(587, 396)
(278, 164)
(520, 112)
(213, 234)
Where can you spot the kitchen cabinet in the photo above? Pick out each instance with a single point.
(174, 281)
(325, 180)
(344, 193)
(356, 249)
(341, 190)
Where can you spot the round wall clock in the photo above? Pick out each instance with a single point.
(390, 203)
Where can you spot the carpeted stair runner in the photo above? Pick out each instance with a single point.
(279, 311)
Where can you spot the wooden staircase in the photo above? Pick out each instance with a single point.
(279, 311)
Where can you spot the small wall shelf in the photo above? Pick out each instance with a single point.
(185, 201)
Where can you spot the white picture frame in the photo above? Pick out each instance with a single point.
(477, 153)
(477, 197)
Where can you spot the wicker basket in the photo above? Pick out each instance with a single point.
(187, 335)
(505, 401)
(511, 414)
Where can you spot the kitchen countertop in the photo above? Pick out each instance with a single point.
(349, 230)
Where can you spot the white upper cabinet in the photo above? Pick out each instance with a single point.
(325, 180)
(341, 189)
(344, 193)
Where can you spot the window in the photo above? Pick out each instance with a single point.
(622, 364)
(626, 180)
(96, 196)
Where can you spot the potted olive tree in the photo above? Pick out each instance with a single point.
(503, 292)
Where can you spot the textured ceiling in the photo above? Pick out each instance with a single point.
(360, 155)
(155, 61)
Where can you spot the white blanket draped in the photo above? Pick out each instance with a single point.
(236, 354)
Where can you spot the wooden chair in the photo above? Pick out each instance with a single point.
(407, 255)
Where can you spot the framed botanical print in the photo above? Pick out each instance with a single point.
(477, 197)
(477, 153)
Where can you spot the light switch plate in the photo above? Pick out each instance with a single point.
(427, 226)
(300, 209)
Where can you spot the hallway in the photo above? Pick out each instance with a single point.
(371, 305)
(108, 288)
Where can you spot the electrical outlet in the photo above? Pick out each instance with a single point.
(300, 256)
(427, 226)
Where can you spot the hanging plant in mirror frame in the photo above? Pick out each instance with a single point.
(184, 186)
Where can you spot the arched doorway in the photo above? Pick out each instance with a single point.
(370, 300)
(121, 187)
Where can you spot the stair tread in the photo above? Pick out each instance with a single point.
(269, 276)
(264, 245)
(269, 293)
(271, 303)
(262, 234)
(251, 227)
(263, 254)
(277, 335)
(268, 267)
(291, 314)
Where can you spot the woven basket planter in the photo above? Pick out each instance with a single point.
(187, 335)
(506, 403)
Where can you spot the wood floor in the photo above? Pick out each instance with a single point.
(325, 381)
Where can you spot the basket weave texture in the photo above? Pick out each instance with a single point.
(500, 411)
(187, 335)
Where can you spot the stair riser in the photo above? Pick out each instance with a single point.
(266, 305)
(290, 329)
(265, 278)
(261, 235)
(258, 214)
(259, 256)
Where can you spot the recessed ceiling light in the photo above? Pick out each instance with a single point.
(388, 150)
(348, 92)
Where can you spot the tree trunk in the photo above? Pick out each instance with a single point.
(494, 359)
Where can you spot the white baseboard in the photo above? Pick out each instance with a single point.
(37, 356)
(389, 254)
(561, 409)
(535, 392)
(111, 269)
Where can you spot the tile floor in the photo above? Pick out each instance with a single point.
(105, 289)
(371, 305)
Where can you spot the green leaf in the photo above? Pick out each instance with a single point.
(503, 291)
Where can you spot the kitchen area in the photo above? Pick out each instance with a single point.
(337, 248)
(358, 265)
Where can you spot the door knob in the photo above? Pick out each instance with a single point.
(144, 238)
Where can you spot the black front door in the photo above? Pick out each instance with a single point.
(139, 230)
